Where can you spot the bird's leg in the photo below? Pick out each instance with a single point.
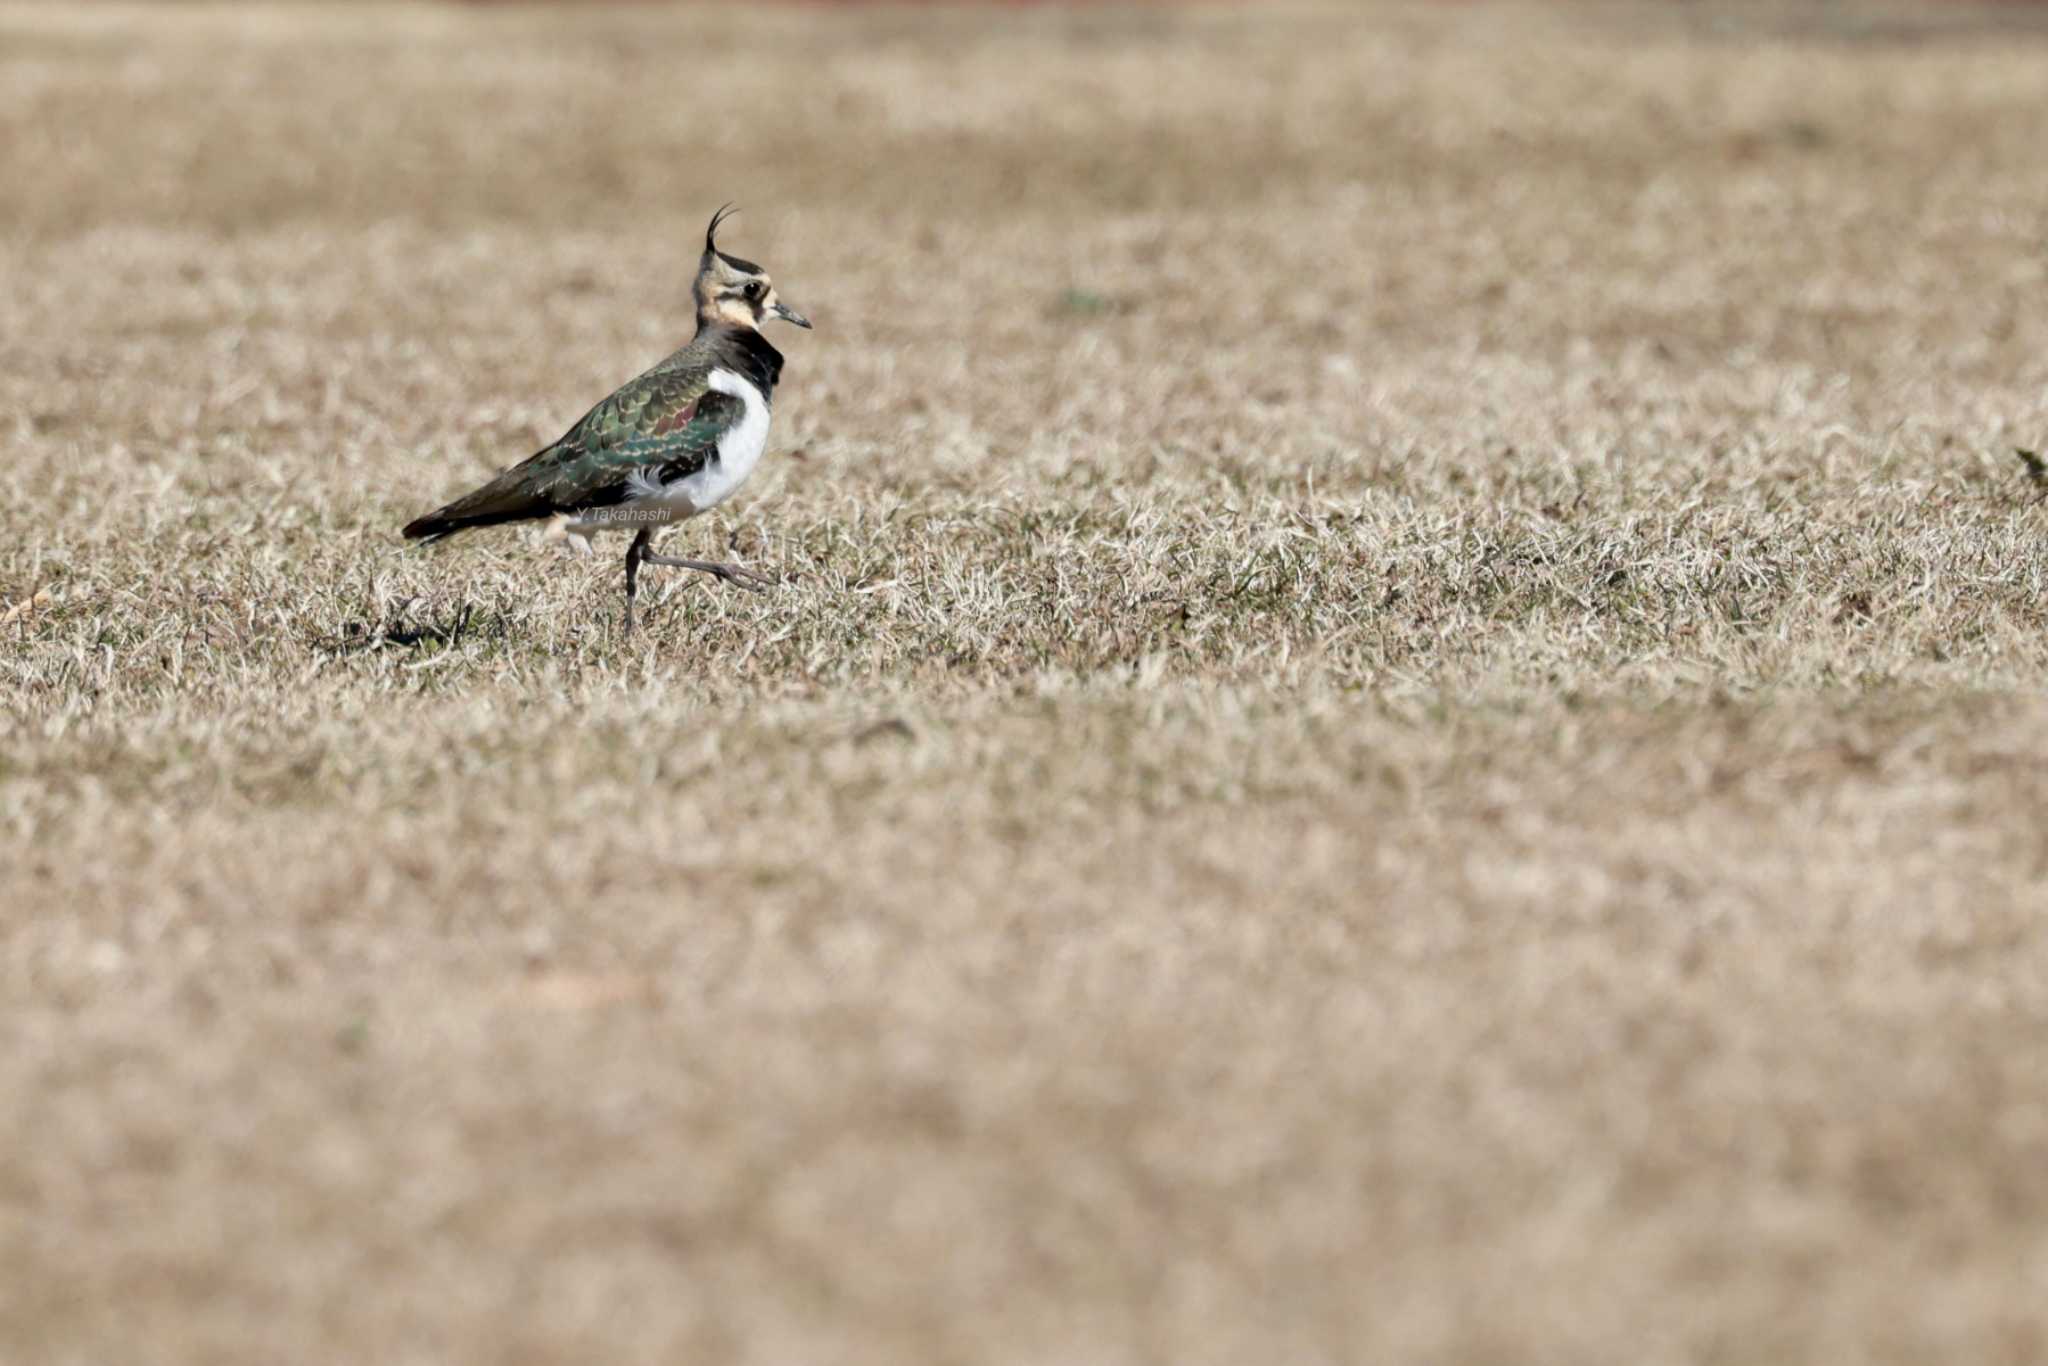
(733, 574)
(635, 553)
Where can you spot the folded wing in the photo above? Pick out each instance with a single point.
(658, 428)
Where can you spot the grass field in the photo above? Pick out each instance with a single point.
(1406, 722)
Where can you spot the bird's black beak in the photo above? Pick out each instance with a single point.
(790, 315)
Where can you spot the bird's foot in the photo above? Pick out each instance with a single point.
(736, 575)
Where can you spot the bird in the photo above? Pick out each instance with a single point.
(667, 445)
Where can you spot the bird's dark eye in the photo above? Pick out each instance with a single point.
(755, 289)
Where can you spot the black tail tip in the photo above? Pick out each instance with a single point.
(428, 528)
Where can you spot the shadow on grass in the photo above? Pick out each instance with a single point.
(357, 637)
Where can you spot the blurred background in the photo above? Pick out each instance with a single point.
(1367, 187)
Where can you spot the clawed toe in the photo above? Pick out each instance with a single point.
(747, 579)
(751, 580)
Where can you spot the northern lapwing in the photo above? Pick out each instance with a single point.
(666, 446)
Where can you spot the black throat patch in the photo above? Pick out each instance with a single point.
(750, 355)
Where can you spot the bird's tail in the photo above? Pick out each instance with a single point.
(431, 528)
(488, 506)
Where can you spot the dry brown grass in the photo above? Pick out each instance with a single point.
(1408, 725)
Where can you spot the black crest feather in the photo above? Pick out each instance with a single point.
(711, 243)
(725, 211)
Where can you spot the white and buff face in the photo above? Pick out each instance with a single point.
(735, 292)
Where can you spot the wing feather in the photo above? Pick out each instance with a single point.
(663, 426)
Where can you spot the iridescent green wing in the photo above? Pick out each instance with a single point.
(658, 428)
(661, 427)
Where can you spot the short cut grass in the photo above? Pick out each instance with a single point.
(1406, 725)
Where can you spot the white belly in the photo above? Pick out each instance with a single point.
(739, 450)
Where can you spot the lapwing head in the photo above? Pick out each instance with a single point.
(735, 292)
